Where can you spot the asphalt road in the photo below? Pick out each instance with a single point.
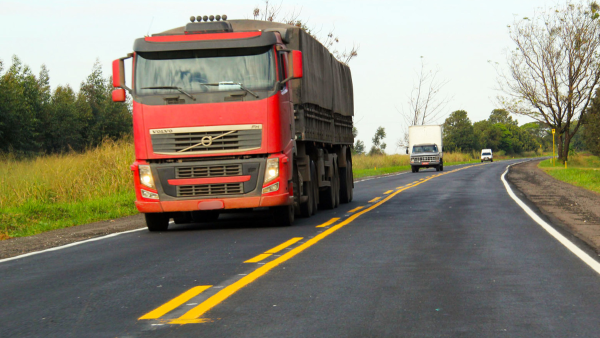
(446, 256)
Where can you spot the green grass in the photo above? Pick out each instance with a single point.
(36, 217)
(582, 171)
(57, 191)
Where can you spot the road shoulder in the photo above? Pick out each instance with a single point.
(575, 209)
(23, 245)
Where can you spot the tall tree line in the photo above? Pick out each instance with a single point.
(34, 119)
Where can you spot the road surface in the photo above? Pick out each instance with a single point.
(431, 254)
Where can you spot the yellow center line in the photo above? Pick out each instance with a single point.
(356, 209)
(374, 200)
(284, 245)
(328, 223)
(193, 315)
(388, 192)
(175, 302)
(257, 258)
(274, 250)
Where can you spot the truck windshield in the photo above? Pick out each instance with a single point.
(199, 71)
(425, 149)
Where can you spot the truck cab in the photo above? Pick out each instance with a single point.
(426, 156)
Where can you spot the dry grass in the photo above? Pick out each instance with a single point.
(58, 191)
(67, 178)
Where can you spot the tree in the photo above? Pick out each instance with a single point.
(108, 118)
(330, 41)
(378, 147)
(554, 69)
(458, 132)
(502, 116)
(425, 103)
(359, 147)
(591, 133)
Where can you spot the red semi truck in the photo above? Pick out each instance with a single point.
(238, 114)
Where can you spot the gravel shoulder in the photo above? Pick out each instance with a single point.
(22, 245)
(575, 209)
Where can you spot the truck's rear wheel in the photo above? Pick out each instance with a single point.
(327, 197)
(157, 221)
(307, 208)
(283, 216)
(336, 190)
(346, 179)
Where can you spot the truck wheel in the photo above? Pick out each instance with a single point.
(283, 216)
(157, 221)
(492, 160)
(205, 216)
(306, 209)
(346, 183)
(437, 167)
(313, 172)
(327, 196)
(442, 167)
(337, 186)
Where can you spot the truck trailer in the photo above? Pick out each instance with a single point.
(237, 114)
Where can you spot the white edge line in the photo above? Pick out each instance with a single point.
(69, 245)
(562, 239)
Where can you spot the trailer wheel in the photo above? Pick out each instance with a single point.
(327, 196)
(336, 190)
(346, 183)
(157, 221)
(306, 209)
(283, 216)
(315, 186)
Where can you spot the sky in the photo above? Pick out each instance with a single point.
(458, 37)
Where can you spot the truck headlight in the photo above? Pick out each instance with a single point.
(271, 188)
(149, 194)
(272, 171)
(146, 176)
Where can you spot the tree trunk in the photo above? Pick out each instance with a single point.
(559, 145)
(566, 144)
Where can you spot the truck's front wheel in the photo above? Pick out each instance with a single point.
(157, 221)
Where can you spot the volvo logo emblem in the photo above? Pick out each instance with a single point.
(206, 141)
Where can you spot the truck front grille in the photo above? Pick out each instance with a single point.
(209, 171)
(210, 189)
(189, 141)
(426, 158)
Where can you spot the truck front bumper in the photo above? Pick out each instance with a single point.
(215, 204)
(432, 164)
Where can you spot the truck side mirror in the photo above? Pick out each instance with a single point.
(295, 64)
(118, 95)
(406, 151)
(118, 75)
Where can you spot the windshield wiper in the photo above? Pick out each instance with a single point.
(172, 87)
(230, 84)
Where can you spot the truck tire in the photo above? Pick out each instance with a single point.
(283, 216)
(327, 196)
(313, 172)
(306, 209)
(336, 190)
(346, 179)
(157, 221)
(205, 216)
(437, 167)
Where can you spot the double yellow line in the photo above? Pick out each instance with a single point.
(194, 315)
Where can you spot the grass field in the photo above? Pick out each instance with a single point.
(582, 170)
(58, 191)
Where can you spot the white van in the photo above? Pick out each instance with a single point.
(486, 155)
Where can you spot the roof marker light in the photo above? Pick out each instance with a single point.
(199, 18)
(212, 18)
(224, 17)
(192, 18)
(205, 18)
(218, 17)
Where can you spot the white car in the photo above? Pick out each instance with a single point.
(486, 155)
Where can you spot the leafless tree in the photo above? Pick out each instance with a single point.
(330, 40)
(553, 71)
(425, 103)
